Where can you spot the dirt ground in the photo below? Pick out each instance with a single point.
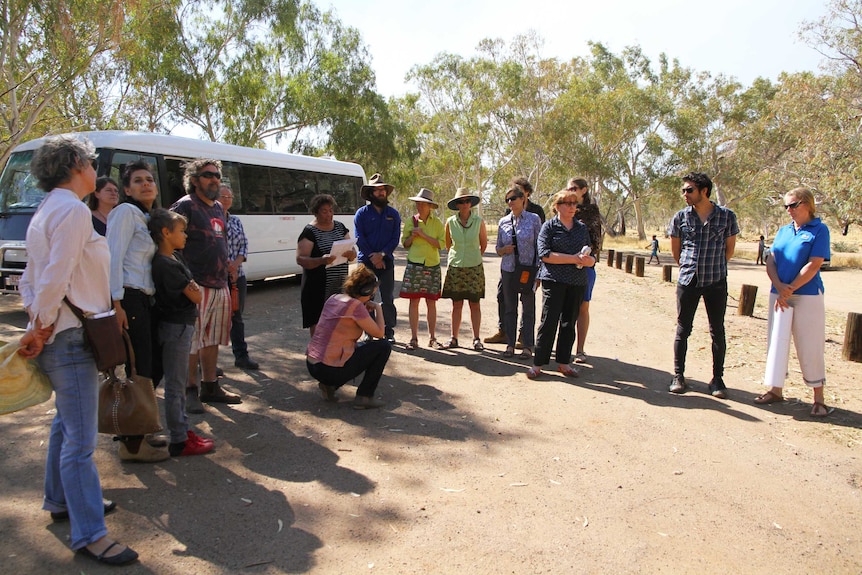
(472, 468)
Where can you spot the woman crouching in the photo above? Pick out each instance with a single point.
(333, 356)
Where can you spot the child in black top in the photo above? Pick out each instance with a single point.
(177, 296)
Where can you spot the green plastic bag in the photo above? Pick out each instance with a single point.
(22, 383)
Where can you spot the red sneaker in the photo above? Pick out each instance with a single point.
(195, 438)
(196, 445)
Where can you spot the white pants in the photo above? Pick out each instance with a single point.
(809, 334)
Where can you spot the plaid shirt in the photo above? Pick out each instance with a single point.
(703, 254)
(237, 242)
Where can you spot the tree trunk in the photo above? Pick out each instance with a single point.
(639, 219)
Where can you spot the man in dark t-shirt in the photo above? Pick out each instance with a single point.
(206, 254)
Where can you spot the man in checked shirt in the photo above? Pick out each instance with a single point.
(702, 240)
(237, 252)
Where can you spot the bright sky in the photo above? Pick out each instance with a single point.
(740, 38)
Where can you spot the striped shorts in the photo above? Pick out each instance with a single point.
(212, 326)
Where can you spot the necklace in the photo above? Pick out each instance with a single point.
(462, 223)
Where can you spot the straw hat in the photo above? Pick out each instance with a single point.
(463, 193)
(376, 181)
(425, 196)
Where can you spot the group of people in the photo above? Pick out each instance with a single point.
(125, 258)
(178, 309)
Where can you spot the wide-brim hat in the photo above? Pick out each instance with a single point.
(375, 181)
(425, 196)
(463, 193)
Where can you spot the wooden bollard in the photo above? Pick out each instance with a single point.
(610, 258)
(666, 273)
(853, 338)
(639, 266)
(746, 300)
(619, 261)
(630, 259)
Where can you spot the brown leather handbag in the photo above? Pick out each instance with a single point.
(104, 335)
(127, 405)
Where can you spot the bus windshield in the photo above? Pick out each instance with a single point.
(19, 191)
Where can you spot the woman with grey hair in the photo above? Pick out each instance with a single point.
(68, 259)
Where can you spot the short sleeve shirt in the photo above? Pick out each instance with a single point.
(792, 249)
(703, 244)
(171, 276)
(420, 251)
(555, 237)
(206, 246)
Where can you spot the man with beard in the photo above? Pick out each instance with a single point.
(206, 254)
(702, 241)
(378, 231)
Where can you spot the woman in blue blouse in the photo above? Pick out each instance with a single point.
(564, 282)
(798, 251)
(517, 234)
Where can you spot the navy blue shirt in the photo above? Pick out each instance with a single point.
(376, 232)
(554, 237)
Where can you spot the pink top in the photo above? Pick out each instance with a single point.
(337, 331)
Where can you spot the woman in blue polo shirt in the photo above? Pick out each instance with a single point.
(798, 251)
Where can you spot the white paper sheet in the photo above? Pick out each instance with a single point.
(779, 348)
(339, 248)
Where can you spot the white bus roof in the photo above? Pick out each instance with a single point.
(179, 147)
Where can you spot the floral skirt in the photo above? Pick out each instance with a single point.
(465, 283)
(421, 282)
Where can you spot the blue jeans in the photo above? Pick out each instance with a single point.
(71, 478)
(176, 342)
(509, 283)
(715, 301)
(386, 289)
(237, 326)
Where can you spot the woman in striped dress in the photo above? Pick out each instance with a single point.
(312, 253)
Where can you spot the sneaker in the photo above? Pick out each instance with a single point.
(717, 388)
(193, 445)
(363, 402)
(678, 384)
(193, 401)
(499, 337)
(245, 362)
(146, 453)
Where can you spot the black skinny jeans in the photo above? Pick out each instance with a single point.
(370, 357)
(561, 304)
(715, 301)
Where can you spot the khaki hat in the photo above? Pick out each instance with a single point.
(463, 193)
(376, 181)
(425, 196)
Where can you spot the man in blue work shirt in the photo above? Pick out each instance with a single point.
(378, 231)
(702, 240)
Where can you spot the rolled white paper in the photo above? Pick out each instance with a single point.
(779, 348)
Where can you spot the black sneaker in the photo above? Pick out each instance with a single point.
(717, 388)
(678, 384)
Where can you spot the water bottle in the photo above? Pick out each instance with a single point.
(585, 252)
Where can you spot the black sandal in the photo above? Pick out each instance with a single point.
(128, 555)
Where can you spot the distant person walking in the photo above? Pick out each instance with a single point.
(702, 240)
(761, 248)
(655, 250)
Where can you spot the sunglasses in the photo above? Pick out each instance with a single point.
(688, 190)
(567, 203)
(464, 201)
(513, 198)
(209, 175)
(793, 206)
(95, 163)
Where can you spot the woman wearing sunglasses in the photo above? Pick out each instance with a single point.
(561, 244)
(466, 240)
(517, 233)
(799, 249)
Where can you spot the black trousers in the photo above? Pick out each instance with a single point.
(561, 304)
(715, 301)
(370, 357)
(143, 333)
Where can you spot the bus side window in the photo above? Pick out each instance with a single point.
(293, 190)
(230, 177)
(345, 190)
(257, 189)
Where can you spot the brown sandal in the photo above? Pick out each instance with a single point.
(767, 398)
(815, 409)
(451, 344)
(414, 343)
